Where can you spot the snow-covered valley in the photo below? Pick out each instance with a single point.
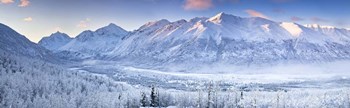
(281, 77)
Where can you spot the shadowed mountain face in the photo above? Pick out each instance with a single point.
(55, 41)
(16, 44)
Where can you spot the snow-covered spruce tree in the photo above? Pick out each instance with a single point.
(154, 97)
(1, 94)
(199, 99)
(241, 103)
(348, 99)
(278, 100)
(210, 102)
(144, 100)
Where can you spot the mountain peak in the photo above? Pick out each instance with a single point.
(218, 16)
(85, 33)
(112, 25)
(58, 33)
(157, 23)
(111, 29)
(316, 26)
(312, 25)
(221, 17)
(181, 21)
(221, 14)
(163, 20)
(54, 41)
(196, 19)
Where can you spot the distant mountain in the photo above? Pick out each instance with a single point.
(89, 43)
(229, 39)
(223, 38)
(55, 41)
(14, 43)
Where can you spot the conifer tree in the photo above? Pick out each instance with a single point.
(154, 97)
(143, 100)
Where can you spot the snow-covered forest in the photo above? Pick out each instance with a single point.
(38, 84)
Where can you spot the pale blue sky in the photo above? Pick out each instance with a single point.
(42, 17)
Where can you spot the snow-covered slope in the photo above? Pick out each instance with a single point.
(16, 44)
(94, 43)
(55, 41)
(225, 38)
(338, 34)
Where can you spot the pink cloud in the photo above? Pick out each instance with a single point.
(295, 18)
(84, 23)
(198, 4)
(24, 3)
(254, 13)
(28, 19)
(6, 1)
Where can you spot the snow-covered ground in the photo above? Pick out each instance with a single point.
(286, 77)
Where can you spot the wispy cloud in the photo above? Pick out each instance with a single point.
(255, 13)
(6, 1)
(198, 4)
(84, 23)
(28, 19)
(24, 3)
(317, 19)
(295, 18)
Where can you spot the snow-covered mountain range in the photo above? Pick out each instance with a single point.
(222, 38)
(230, 39)
(102, 40)
(87, 44)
